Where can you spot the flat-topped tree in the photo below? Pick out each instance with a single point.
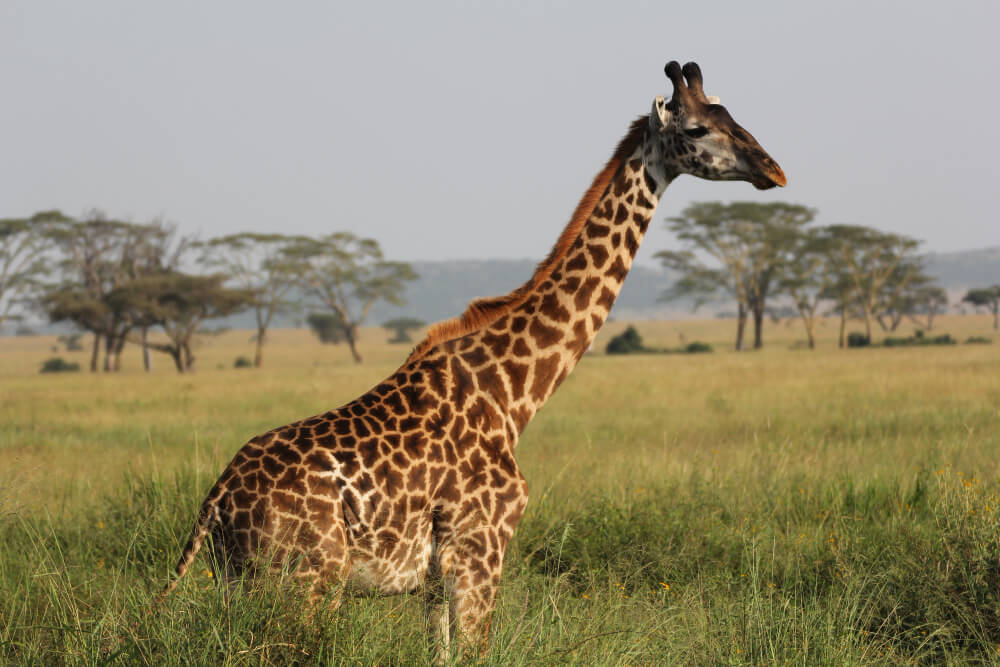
(401, 328)
(873, 266)
(985, 297)
(260, 263)
(808, 277)
(23, 266)
(909, 292)
(751, 244)
(415, 483)
(179, 303)
(348, 275)
(927, 301)
(99, 255)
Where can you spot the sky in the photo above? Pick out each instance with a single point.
(467, 130)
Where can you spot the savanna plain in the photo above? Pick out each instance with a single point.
(785, 506)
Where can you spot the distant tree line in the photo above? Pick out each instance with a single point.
(758, 253)
(119, 280)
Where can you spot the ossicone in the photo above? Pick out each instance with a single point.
(692, 88)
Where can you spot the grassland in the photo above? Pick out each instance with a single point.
(791, 506)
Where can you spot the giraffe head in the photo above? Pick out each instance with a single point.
(696, 135)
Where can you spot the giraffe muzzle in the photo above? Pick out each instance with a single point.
(768, 177)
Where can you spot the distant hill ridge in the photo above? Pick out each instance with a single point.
(958, 271)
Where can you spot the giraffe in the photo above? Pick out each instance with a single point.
(415, 483)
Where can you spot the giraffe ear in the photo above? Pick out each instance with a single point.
(659, 116)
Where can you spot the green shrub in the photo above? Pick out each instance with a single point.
(242, 362)
(918, 339)
(696, 347)
(978, 340)
(59, 365)
(627, 342)
(857, 339)
(328, 327)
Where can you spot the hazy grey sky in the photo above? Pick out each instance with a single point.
(454, 131)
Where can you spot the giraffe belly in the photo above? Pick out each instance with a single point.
(393, 566)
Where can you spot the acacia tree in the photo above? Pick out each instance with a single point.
(877, 265)
(985, 297)
(703, 283)
(926, 300)
(261, 263)
(919, 296)
(401, 327)
(179, 303)
(100, 256)
(23, 243)
(751, 243)
(808, 277)
(348, 275)
(328, 327)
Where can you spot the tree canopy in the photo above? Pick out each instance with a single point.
(262, 264)
(750, 244)
(23, 269)
(985, 297)
(348, 275)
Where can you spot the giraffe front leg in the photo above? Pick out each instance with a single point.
(469, 548)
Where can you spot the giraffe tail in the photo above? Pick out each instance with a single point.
(208, 516)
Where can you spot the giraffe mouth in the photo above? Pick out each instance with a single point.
(773, 178)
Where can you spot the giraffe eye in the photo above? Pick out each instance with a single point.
(696, 132)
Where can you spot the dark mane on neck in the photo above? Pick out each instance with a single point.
(482, 312)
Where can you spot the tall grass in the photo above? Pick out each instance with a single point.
(786, 506)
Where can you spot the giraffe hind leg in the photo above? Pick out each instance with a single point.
(229, 565)
(439, 622)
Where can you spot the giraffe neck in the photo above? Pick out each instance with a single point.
(540, 341)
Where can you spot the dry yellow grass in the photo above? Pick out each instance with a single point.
(615, 421)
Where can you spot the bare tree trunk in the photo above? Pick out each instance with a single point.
(116, 362)
(996, 318)
(175, 354)
(741, 323)
(351, 334)
(811, 332)
(147, 361)
(109, 353)
(868, 322)
(258, 355)
(843, 328)
(758, 327)
(188, 357)
(95, 352)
